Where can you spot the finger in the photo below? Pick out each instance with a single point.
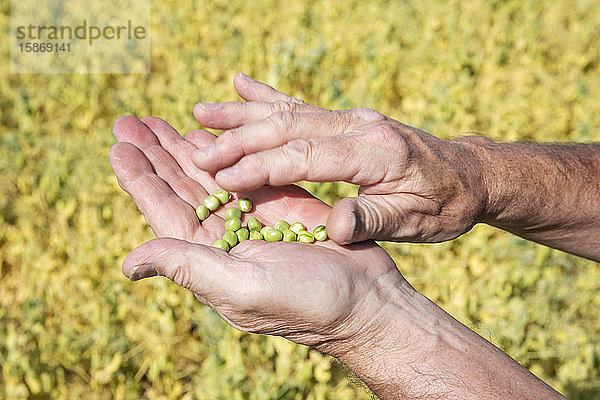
(205, 270)
(274, 131)
(252, 90)
(328, 159)
(132, 130)
(234, 114)
(266, 200)
(167, 214)
(397, 217)
(200, 138)
(181, 151)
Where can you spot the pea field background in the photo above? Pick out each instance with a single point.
(72, 326)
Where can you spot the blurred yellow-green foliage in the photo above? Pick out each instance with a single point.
(71, 326)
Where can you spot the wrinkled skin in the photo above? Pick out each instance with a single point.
(350, 302)
(314, 294)
(413, 186)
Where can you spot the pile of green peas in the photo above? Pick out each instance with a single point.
(254, 230)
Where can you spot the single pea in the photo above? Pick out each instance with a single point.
(297, 227)
(221, 244)
(256, 235)
(245, 204)
(264, 230)
(320, 233)
(273, 235)
(202, 212)
(212, 202)
(223, 196)
(242, 234)
(254, 224)
(289, 235)
(233, 212)
(282, 225)
(306, 237)
(231, 238)
(233, 224)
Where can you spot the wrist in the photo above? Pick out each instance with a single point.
(372, 324)
(387, 334)
(495, 187)
(410, 348)
(541, 192)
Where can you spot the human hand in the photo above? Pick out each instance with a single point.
(320, 294)
(350, 302)
(413, 186)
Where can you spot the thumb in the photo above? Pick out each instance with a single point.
(355, 219)
(205, 270)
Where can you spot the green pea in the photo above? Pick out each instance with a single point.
(221, 244)
(231, 238)
(233, 224)
(254, 224)
(202, 212)
(212, 202)
(242, 234)
(233, 212)
(320, 233)
(264, 230)
(256, 235)
(289, 235)
(306, 237)
(282, 225)
(273, 235)
(223, 196)
(297, 227)
(245, 204)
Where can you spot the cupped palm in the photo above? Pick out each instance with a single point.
(309, 293)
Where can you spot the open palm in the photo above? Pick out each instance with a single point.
(309, 293)
(350, 302)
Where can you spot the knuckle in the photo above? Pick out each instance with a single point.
(383, 133)
(299, 148)
(281, 106)
(386, 135)
(370, 220)
(301, 151)
(228, 139)
(294, 99)
(366, 114)
(282, 119)
(376, 221)
(252, 162)
(340, 120)
(181, 274)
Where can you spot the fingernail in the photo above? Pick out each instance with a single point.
(206, 150)
(247, 77)
(143, 271)
(229, 172)
(210, 106)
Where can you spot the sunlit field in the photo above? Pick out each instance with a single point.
(72, 326)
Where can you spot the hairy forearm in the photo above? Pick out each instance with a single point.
(543, 192)
(421, 352)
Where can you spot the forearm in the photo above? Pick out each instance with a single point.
(542, 192)
(421, 352)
